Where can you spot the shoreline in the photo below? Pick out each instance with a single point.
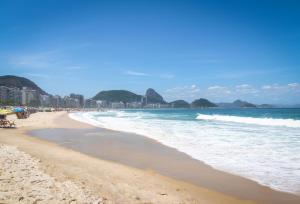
(148, 154)
(151, 139)
(115, 181)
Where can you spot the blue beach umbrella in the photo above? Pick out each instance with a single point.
(18, 110)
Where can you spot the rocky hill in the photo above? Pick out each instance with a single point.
(265, 106)
(180, 104)
(117, 96)
(202, 103)
(19, 82)
(244, 104)
(237, 104)
(153, 97)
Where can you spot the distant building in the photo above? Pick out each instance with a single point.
(102, 104)
(134, 105)
(164, 106)
(10, 96)
(90, 103)
(45, 100)
(15, 96)
(156, 105)
(3, 93)
(56, 101)
(117, 105)
(29, 96)
(71, 102)
(79, 97)
(144, 100)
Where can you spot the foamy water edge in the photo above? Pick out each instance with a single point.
(88, 118)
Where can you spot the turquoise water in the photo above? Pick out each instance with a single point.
(259, 144)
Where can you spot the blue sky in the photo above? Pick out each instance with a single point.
(220, 50)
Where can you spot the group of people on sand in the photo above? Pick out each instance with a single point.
(21, 113)
(4, 123)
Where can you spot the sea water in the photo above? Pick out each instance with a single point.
(259, 144)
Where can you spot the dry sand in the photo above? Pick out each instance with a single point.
(22, 181)
(36, 171)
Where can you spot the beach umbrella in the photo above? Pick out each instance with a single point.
(18, 110)
(5, 112)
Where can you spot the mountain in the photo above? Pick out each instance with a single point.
(153, 97)
(226, 105)
(243, 104)
(180, 104)
(237, 104)
(19, 82)
(117, 96)
(202, 103)
(266, 106)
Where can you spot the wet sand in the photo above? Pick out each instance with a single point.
(144, 153)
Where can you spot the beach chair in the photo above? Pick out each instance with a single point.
(7, 124)
(2, 123)
(12, 123)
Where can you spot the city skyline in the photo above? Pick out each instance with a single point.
(185, 50)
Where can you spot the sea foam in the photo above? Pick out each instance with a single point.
(269, 155)
(250, 120)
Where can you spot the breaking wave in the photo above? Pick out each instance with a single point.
(250, 120)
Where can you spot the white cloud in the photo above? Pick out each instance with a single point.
(294, 85)
(245, 89)
(134, 73)
(182, 92)
(291, 87)
(266, 87)
(243, 86)
(217, 90)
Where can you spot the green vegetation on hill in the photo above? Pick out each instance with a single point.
(180, 104)
(202, 103)
(19, 82)
(117, 96)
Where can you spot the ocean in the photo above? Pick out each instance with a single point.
(260, 144)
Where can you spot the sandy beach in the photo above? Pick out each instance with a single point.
(35, 170)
